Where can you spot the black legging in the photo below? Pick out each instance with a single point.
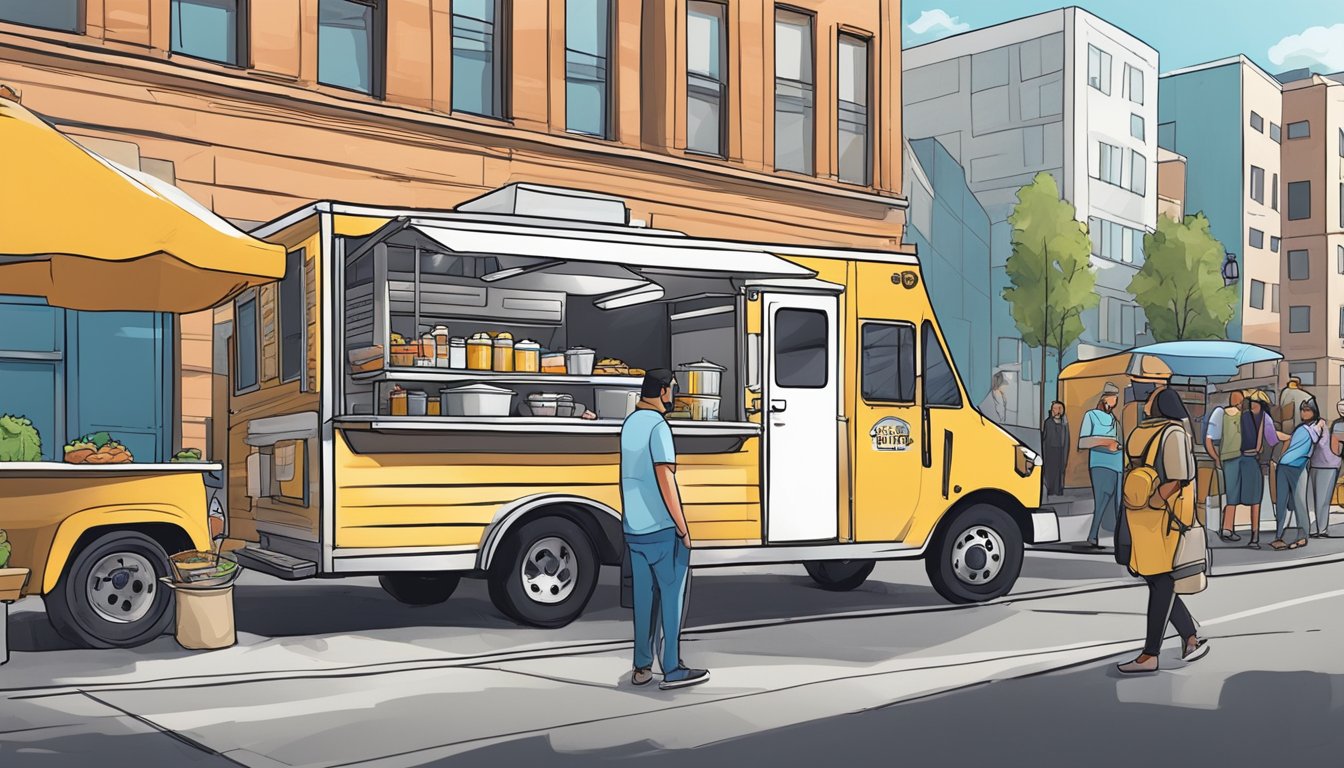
(1165, 605)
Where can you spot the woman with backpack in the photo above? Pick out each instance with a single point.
(1292, 476)
(1162, 466)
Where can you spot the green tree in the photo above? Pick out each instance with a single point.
(1180, 286)
(1050, 274)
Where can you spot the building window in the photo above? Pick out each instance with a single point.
(1275, 132)
(1299, 200)
(1256, 238)
(1299, 130)
(587, 74)
(1166, 136)
(1258, 184)
(63, 15)
(1341, 205)
(1138, 173)
(852, 110)
(1339, 257)
(940, 383)
(1134, 80)
(1257, 294)
(795, 91)
(246, 343)
(1274, 299)
(1136, 127)
(705, 86)
(1099, 69)
(1115, 242)
(1273, 244)
(1299, 265)
(1116, 321)
(291, 317)
(209, 29)
(889, 362)
(478, 57)
(801, 349)
(1341, 142)
(1304, 372)
(1109, 164)
(1274, 192)
(1299, 320)
(1257, 122)
(349, 45)
(1341, 322)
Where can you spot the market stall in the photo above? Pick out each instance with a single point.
(96, 529)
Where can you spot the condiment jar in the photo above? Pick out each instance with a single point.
(426, 355)
(397, 401)
(527, 356)
(457, 353)
(417, 403)
(478, 352)
(441, 342)
(503, 352)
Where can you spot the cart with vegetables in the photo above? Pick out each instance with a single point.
(93, 531)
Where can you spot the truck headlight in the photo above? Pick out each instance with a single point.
(1027, 460)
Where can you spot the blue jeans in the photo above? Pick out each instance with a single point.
(1105, 497)
(1292, 493)
(660, 565)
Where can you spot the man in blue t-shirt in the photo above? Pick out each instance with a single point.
(658, 542)
(1100, 437)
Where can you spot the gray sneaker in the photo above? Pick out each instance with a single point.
(683, 678)
(641, 676)
(1200, 650)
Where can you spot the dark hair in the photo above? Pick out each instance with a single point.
(1060, 403)
(1310, 405)
(655, 381)
(1168, 405)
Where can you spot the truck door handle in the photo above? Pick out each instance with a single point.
(778, 406)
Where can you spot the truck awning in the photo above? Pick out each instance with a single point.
(86, 233)
(648, 254)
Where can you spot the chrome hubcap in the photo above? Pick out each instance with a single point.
(977, 555)
(121, 587)
(549, 570)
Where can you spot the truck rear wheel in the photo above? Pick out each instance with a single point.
(419, 588)
(839, 575)
(544, 573)
(109, 595)
(975, 556)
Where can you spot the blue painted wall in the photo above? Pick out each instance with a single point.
(1206, 107)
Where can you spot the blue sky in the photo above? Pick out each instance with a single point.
(1278, 35)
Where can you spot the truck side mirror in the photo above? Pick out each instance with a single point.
(754, 362)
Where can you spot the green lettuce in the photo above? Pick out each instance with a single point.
(19, 440)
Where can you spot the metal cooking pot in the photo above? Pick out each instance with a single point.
(702, 378)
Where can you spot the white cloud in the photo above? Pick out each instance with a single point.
(936, 23)
(1320, 48)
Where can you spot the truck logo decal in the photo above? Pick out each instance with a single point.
(906, 280)
(891, 434)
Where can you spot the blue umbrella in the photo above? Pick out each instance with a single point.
(1207, 359)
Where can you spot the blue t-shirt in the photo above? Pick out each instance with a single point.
(646, 439)
(1098, 423)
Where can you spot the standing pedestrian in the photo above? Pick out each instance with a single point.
(1100, 437)
(1153, 536)
(995, 404)
(1290, 403)
(1323, 490)
(1055, 448)
(1292, 478)
(658, 541)
(1233, 440)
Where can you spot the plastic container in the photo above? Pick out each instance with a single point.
(579, 361)
(417, 403)
(441, 346)
(434, 408)
(397, 403)
(553, 362)
(479, 352)
(426, 356)
(701, 407)
(403, 355)
(503, 358)
(366, 358)
(527, 357)
(476, 400)
(457, 353)
(549, 404)
(616, 403)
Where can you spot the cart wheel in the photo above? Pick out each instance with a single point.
(544, 574)
(419, 588)
(975, 556)
(839, 575)
(109, 595)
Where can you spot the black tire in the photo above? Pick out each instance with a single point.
(965, 544)
(70, 608)
(571, 586)
(413, 588)
(839, 575)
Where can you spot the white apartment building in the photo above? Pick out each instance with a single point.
(1063, 92)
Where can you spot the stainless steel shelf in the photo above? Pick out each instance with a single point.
(453, 375)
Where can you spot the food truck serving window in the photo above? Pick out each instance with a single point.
(889, 362)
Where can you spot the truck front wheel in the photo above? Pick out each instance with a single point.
(975, 556)
(544, 573)
(110, 596)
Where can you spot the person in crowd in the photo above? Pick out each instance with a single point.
(995, 404)
(1055, 448)
(1271, 438)
(1325, 472)
(1100, 437)
(1233, 440)
(1153, 538)
(656, 535)
(1292, 478)
(1290, 404)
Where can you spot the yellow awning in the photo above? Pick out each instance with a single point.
(87, 233)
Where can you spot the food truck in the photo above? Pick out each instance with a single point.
(469, 372)
(96, 527)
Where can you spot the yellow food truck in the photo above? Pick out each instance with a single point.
(457, 382)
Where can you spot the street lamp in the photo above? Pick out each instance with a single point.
(1230, 269)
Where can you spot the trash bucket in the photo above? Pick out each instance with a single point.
(204, 615)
